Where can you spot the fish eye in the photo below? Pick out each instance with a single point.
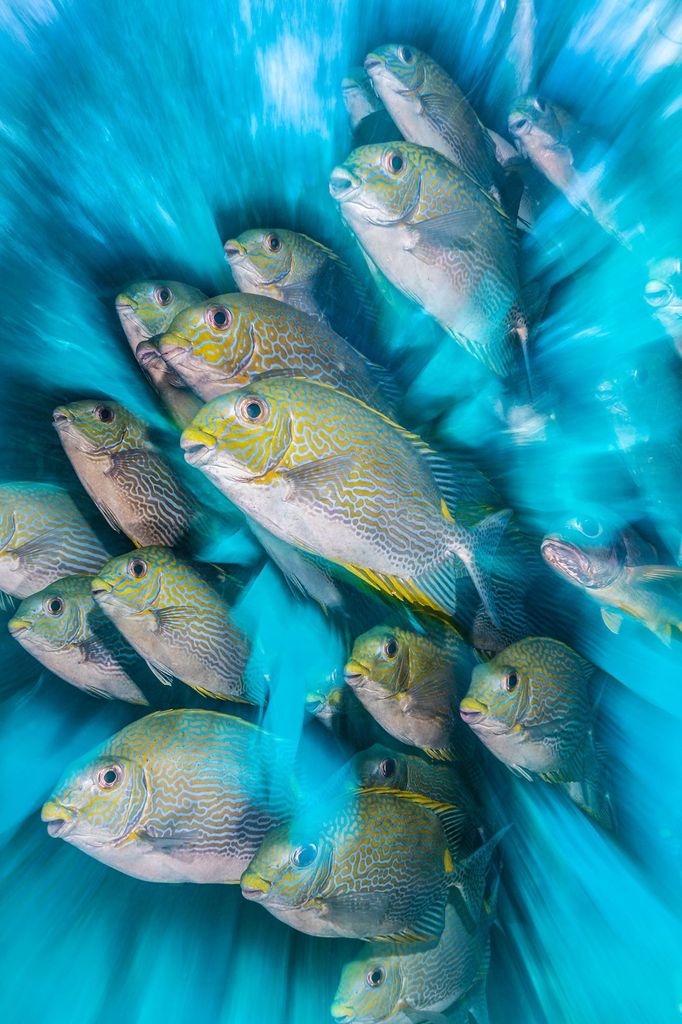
(390, 648)
(218, 317)
(657, 293)
(375, 977)
(303, 856)
(252, 409)
(393, 162)
(137, 567)
(540, 104)
(109, 777)
(273, 243)
(510, 681)
(589, 527)
(387, 767)
(54, 606)
(104, 413)
(163, 295)
(406, 55)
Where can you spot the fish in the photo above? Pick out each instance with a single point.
(663, 293)
(177, 796)
(226, 343)
(126, 476)
(431, 110)
(63, 629)
(383, 767)
(177, 622)
(615, 567)
(374, 864)
(43, 537)
(148, 308)
(531, 706)
(412, 685)
(427, 227)
(359, 97)
(384, 984)
(338, 480)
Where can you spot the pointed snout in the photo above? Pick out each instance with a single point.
(471, 710)
(99, 587)
(343, 184)
(61, 415)
(233, 249)
(253, 886)
(18, 625)
(373, 62)
(342, 1013)
(197, 445)
(172, 343)
(56, 816)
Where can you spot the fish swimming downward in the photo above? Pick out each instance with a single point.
(431, 110)
(128, 479)
(62, 627)
(230, 340)
(338, 480)
(43, 537)
(148, 308)
(178, 796)
(374, 864)
(178, 623)
(531, 706)
(615, 567)
(429, 228)
(412, 685)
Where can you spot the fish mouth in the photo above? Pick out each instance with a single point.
(18, 626)
(254, 886)
(61, 416)
(373, 63)
(354, 673)
(342, 1013)
(233, 249)
(197, 445)
(57, 816)
(568, 560)
(173, 345)
(100, 587)
(472, 710)
(147, 352)
(343, 185)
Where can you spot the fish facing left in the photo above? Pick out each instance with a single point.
(62, 627)
(374, 864)
(179, 624)
(332, 477)
(126, 476)
(532, 708)
(427, 227)
(43, 537)
(177, 796)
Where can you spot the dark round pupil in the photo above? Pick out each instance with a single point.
(138, 568)
(253, 410)
(512, 680)
(396, 162)
(55, 605)
(274, 243)
(407, 54)
(110, 776)
(391, 648)
(220, 317)
(305, 856)
(164, 296)
(376, 976)
(520, 123)
(387, 767)
(106, 414)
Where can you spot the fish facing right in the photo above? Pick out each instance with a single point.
(177, 796)
(43, 537)
(62, 627)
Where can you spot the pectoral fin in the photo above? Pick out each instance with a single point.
(448, 231)
(312, 480)
(612, 620)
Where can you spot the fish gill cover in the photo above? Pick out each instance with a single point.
(137, 139)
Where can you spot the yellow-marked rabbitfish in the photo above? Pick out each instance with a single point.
(231, 340)
(412, 685)
(62, 627)
(385, 984)
(383, 767)
(431, 110)
(429, 228)
(531, 706)
(333, 477)
(43, 537)
(177, 622)
(178, 796)
(615, 567)
(126, 476)
(148, 308)
(374, 864)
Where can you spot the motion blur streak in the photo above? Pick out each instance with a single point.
(135, 139)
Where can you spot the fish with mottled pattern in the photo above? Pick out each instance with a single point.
(62, 627)
(178, 796)
(227, 342)
(148, 308)
(383, 767)
(333, 477)
(374, 864)
(384, 985)
(431, 110)
(126, 476)
(412, 685)
(43, 537)
(427, 227)
(531, 706)
(177, 622)
(615, 567)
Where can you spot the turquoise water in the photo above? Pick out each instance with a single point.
(136, 137)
